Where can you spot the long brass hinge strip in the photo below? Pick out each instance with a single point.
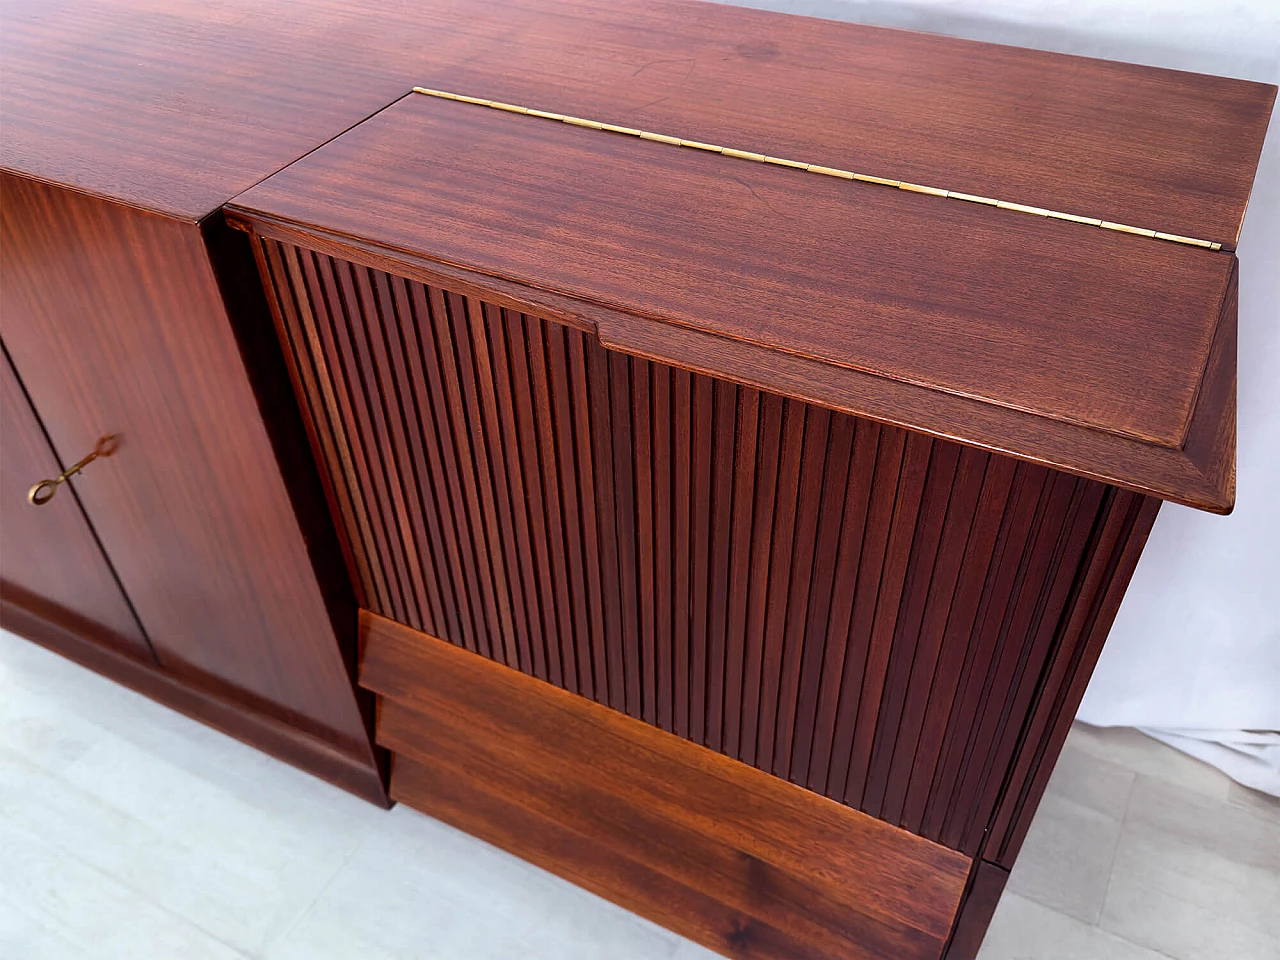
(824, 171)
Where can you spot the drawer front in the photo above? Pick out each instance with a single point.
(745, 863)
(51, 565)
(881, 617)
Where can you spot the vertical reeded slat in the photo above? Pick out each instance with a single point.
(584, 428)
(803, 560)
(438, 448)
(681, 543)
(491, 474)
(745, 462)
(522, 560)
(451, 428)
(403, 417)
(920, 693)
(983, 731)
(290, 304)
(518, 357)
(890, 620)
(821, 594)
(535, 334)
(642, 459)
(422, 441)
(952, 658)
(562, 419)
(915, 464)
(624, 473)
(962, 739)
(722, 474)
(661, 459)
(353, 335)
(757, 598)
(836, 649)
(700, 554)
(389, 423)
(906, 638)
(884, 485)
(786, 500)
(606, 504)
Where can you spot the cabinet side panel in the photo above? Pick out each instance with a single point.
(117, 323)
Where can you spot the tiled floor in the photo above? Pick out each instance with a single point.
(127, 831)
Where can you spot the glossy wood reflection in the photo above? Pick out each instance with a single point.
(861, 610)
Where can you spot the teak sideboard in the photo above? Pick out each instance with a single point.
(699, 450)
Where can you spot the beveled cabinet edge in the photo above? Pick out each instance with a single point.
(1200, 475)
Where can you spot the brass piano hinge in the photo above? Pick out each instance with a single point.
(824, 171)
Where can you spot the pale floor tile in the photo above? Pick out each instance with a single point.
(418, 888)
(1193, 880)
(26, 935)
(75, 910)
(238, 862)
(1088, 780)
(1237, 833)
(1023, 930)
(1257, 801)
(1065, 861)
(688, 950)
(1135, 751)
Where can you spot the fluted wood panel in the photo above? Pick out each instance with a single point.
(874, 614)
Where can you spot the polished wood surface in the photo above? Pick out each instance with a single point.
(175, 106)
(865, 611)
(1043, 326)
(50, 558)
(1020, 312)
(979, 906)
(743, 862)
(93, 649)
(115, 322)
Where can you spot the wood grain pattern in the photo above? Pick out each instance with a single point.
(1069, 317)
(138, 100)
(117, 325)
(743, 862)
(51, 558)
(889, 620)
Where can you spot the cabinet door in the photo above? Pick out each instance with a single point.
(50, 560)
(116, 322)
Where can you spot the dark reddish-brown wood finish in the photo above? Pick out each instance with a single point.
(986, 883)
(1041, 326)
(177, 106)
(868, 612)
(50, 559)
(116, 323)
(859, 518)
(743, 862)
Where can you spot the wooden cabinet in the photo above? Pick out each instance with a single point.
(719, 473)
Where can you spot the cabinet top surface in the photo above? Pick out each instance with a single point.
(1084, 330)
(178, 105)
